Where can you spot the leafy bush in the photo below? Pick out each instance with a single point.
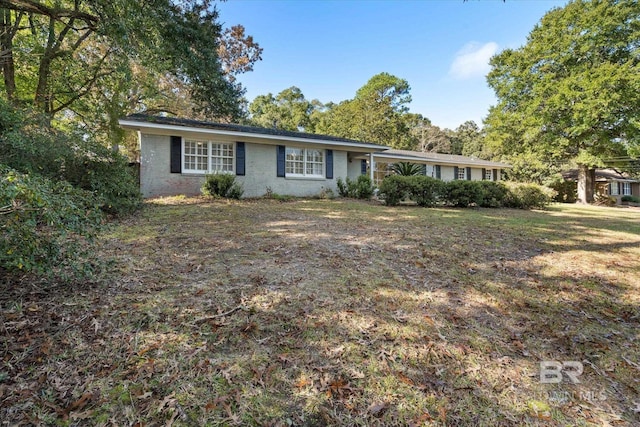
(43, 222)
(529, 196)
(29, 145)
(632, 199)
(424, 190)
(361, 188)
(493, 194)
(462, 193)
(394, 189)
(222, 185)
(567, 191)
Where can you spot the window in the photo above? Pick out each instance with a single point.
(462, 173)
(626, 188)
(488, 174)
(207, 157)
(614, 188)
(304, 162)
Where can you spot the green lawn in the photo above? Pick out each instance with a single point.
(320, 312)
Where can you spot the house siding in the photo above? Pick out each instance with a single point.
(157, 180)
(354, 169)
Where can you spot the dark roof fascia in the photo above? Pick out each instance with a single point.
(246, 130)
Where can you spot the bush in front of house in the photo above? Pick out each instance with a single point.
(630, 199)
(424, 190)
(462, 193)
(566, 190)
(493, 194)
(528, 196)
(45, 224)
(222, 185)
(361, 188)
(394, 189)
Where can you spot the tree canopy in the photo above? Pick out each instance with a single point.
(572, 93)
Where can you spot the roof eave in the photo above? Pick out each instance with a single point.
(400, 157)
(144, 125)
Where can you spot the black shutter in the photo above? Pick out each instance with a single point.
(609, 185)
(281, 161)
(484, 173)
(619, 187)
(363, 167)
(495, 174)
(468, 174)
(455, 172)
(438, 172)
(329, 171)
(240, 158)
(176, 154)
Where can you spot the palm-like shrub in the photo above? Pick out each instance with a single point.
(407, 169)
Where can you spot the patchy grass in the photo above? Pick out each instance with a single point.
(334, 313)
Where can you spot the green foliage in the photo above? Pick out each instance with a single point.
(632, 199)
(361, 188)
(462, 193)
(493, 194)
(29, 145)
(406, 168)
(528, 196)
(222, 185)
(42, 222)
(566, 190)
(55, 188)
(427, 191)
(394, 189)
(289, 110)
(424, 190)
(571, 92)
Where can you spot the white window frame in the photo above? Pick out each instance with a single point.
(626, 188)
(304, 167)
(220, 154)
(488, 174)
(614, 188)
(462, 173)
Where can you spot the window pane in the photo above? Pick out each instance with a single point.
(196, 155)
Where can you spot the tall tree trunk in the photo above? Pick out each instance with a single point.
(7, 31)
(586, 183)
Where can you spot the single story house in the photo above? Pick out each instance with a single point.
(447, 167)
(610, 182)
(176, 154)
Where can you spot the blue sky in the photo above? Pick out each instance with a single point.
(329, 49)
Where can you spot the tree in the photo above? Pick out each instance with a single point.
(374, 115)
(469, 140)
(289, 110)
(571, 93)
(67, 48)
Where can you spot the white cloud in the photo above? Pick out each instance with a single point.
(472, 60)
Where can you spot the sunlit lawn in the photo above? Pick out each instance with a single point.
(320, 312)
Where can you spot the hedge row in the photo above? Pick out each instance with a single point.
(426, 191)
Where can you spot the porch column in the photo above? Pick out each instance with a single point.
(372, 167)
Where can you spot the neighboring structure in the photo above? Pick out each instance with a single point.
(610, 182)
(447, 167)
(176, 154)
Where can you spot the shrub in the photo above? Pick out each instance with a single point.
(632, 199)
(222, 185)
(528, 196)
(30, 146)
(567, 191)
(407, 169)
(493, 194)
(43, 223)
(393, 189)
(424, 190)
(361, 188)
(462, 193)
